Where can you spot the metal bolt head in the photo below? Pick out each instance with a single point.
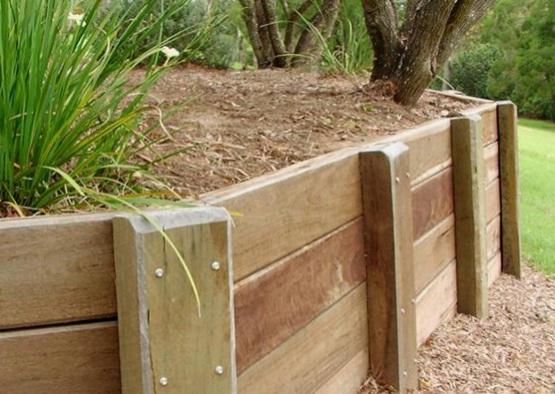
(159, 272)
(397, 179)
(405, 373)
(163, 381)
(215, 265)
(403, 311)
(219, 370)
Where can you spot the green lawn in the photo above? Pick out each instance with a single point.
(537, 192)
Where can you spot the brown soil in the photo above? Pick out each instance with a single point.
(239, 125)
(513, 351)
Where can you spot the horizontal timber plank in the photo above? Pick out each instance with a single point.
(493, 200)
(276, 302)
(433, 251)
(349, 378)
(281, 212)
(491, 159)
(425, 162)
(432, 202)
(436, 303)
(69, 359)
(488, 113)
(315, 353)
(56, 269)
(494, 269)
(493, 237)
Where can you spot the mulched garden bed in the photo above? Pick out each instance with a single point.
(511, 351)
(239, 125)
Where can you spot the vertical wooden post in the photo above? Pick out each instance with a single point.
(165, 346)
(387, 207)
(470, 216)
(508, 173)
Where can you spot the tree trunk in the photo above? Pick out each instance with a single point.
(411, 56)
(302, 46)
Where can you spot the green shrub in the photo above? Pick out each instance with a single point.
(68, 108)
(208, 30)
(470, 70)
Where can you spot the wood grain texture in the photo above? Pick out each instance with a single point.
(69, 359)
(389, 246)
(433, 251)
(58, 269)
(436, 303)
(470, 216)
(508, 159)
(284, 211)
(493, 237)
(432, 202)
(426, 162)
(160, 329)
(493, 201)
(275, 303)
(491, 159)
(490, 132)
(494, 269)
(314, 353)
(349, 378)
(488, 114)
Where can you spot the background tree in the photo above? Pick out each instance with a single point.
(413, 39)
(511, 54)
(291, 34)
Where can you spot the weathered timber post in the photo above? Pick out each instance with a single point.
(165, 346)
(470, 215)
(508, 174)
(387, 205)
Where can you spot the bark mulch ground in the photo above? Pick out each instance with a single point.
(236, 125)
(511, 351)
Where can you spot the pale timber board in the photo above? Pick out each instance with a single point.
(350, 378)
(493, 201)
(433, 251)
(81, 358)
(491, 158)
(276, 302)
(493, 238)
(56, 269)
(436, 303)
(281, 212)
(494, 269)
(315, 353)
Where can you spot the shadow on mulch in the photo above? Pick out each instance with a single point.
(511, 351)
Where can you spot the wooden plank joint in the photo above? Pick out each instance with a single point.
(470, 215)
(164, 342)
(387, 206)
(508, 173)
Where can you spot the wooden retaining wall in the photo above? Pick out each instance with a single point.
(309, 313)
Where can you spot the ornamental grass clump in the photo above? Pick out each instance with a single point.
(69, 111)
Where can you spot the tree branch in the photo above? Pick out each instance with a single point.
(464, 15)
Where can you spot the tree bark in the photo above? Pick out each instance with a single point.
(411, 56)
(381, 22)
(274, 36)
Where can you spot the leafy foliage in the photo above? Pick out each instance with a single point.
(521, 37)
(208, 31)
(470, 70)
(69, 108)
